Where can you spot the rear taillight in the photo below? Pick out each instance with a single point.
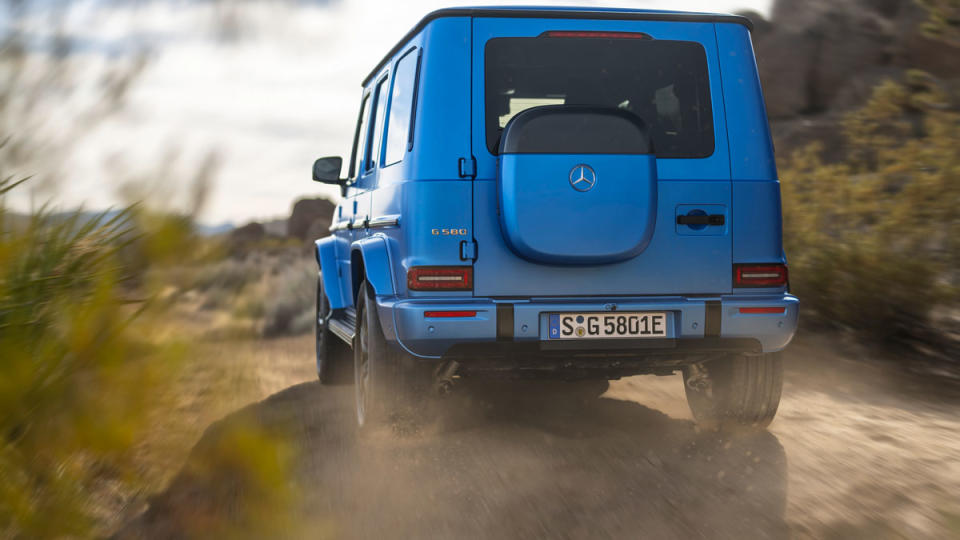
(597, 35)
(759, 275)
(440, 278)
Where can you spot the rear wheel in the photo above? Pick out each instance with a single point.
(390, 384)
(738, 391)
(333, 355)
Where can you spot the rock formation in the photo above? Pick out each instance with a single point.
(821, 58)
(310, 219)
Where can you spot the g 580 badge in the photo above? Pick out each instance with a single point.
(448, 232)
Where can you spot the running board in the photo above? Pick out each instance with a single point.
(343, 324)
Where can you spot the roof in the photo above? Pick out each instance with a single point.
(553, 12)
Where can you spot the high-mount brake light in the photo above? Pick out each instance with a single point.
(592, 34)
(759, 275)
(448, 314)
(440, 278)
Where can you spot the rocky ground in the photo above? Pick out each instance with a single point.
(859, 450)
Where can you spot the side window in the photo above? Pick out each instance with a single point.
(401, 107)
(373, 149)
(360, 138)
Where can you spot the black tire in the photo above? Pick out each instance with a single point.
(334, 361)
(742, 391)
(389, 383)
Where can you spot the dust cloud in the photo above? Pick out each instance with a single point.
(858, 451)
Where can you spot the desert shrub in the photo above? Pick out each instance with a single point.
(229, 275)
(290, 300)
(79, 369)
(250, 306)
(873, 241)
(944, 20)
(87, 363)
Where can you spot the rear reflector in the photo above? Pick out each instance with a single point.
(762, 310)
(759, 275)
(599, 35)
(448, 314)
(440, 278)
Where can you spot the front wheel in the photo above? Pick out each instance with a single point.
(738, 391)
(333, 355)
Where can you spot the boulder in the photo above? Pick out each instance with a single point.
(785, 61)
(847, 45)
(819, 59)
(800, 15)
(917, 51)
(248, 234)
(792, 135)
(242, 239)
(814, 48)
(855, 91)
(306, 213)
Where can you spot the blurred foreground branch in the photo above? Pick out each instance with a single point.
(81, 364)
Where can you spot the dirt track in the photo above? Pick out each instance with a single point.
(857, 451)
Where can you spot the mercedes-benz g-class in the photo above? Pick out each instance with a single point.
(559, 192)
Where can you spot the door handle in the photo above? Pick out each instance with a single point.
(713, 219)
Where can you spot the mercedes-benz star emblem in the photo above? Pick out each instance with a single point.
(583, 178)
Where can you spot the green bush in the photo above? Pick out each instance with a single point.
(873, 241)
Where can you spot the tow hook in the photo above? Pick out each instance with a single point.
(445, 377)
(696, 379)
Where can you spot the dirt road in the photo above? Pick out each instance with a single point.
(858, 450)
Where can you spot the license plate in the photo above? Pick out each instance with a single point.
(607, 325)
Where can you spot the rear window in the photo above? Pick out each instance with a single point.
(663, 82)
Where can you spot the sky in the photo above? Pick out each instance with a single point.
(268, 103)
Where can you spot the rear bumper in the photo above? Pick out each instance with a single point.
(502, 326)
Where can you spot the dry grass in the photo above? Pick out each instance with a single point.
(221, 378)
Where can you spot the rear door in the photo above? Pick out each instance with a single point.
(665, 73)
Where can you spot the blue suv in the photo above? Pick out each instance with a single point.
(559, 192)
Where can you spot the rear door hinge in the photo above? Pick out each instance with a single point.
(468, 167)
(468, 250)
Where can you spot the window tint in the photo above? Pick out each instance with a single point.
(665, 83)
(380, 99)
(401, 107)
(360, 139)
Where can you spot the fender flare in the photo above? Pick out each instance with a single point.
(326, 255)
(372, 255)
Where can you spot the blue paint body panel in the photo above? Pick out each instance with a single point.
(333, 285)
(756, 219)
(532, 240)
(751, 148)
(378, 270)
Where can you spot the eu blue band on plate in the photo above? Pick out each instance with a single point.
(554, 326)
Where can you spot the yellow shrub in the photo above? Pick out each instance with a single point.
(873, 241)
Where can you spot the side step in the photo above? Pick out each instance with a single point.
(343, 324)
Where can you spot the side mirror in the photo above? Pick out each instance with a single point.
(327, 170)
